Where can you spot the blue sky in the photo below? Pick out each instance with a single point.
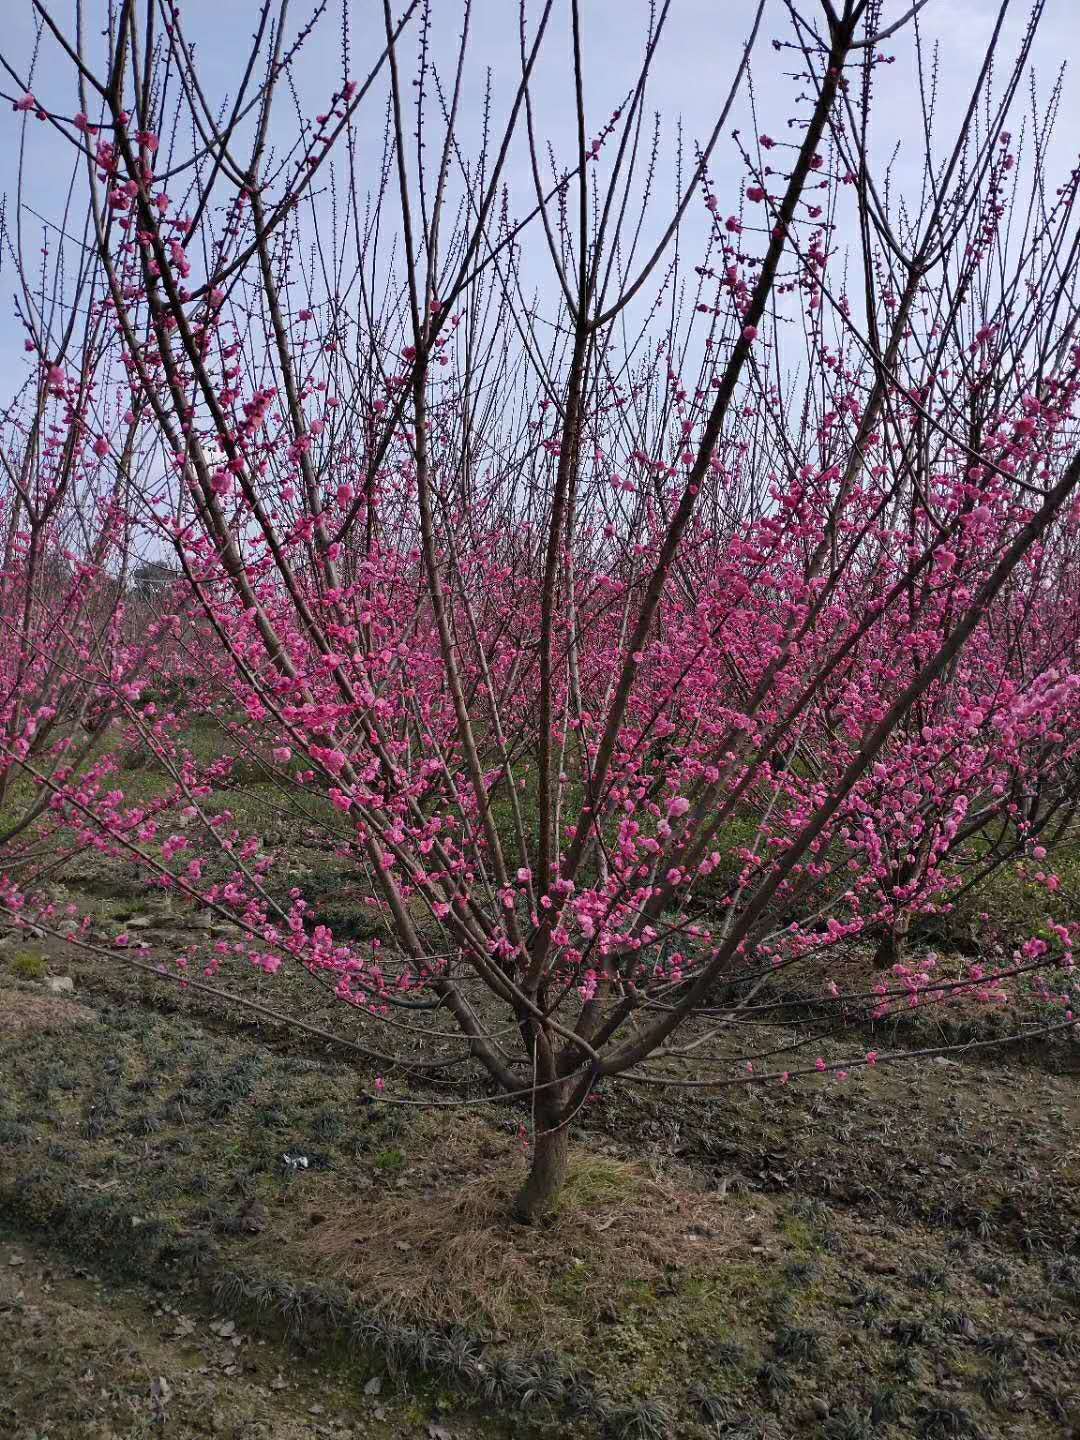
(691, 77)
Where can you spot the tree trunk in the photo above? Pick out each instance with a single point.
(544, 1182)
(893, 945)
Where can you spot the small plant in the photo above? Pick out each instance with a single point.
(505, 1380)
(870, 1298)
(1000, 1346)
(905, 1365)
(995, 1385)
(714, 1408)
(886, 1405)
(941, 1418)
(912, 1332)
(328, 1124)
(582, 1399)
(647, 1420)
(993, 1274)
(457, 1354)
(545, 1389)
(930, 1277)
(390, 1161)
(798, 1272)
(957, 1322)
(28, 965)
(799, 1345)
(1064, 1275)
(774, 1378)
(847, 1423)
(728, 1353)
(230, 1290)
(14, 1134)
(270, 1117)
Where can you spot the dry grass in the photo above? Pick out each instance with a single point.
(22, 1013)
(454, 1254)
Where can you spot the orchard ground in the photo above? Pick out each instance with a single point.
(897, 1253)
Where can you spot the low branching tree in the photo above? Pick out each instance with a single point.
(648, 604)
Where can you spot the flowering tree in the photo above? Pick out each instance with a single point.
(638, 630)
(69, 653)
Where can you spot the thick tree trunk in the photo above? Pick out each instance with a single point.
(546, 1176)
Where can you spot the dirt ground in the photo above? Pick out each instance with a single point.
(896, 1256)
(185, 1184)
(84, 1359)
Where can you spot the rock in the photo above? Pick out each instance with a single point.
(160, 1394)
(253, 1217)
(374, 1386)
(139, 922)
(814, 1410)
(60, 984)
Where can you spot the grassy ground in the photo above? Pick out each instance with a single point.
(896, 1255)
(85, 1357)
(900, 1255)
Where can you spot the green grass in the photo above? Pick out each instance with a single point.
(27, 964)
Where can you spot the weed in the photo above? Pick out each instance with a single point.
(912, 1332)
(995, 1386)
(504, 1380)
(544, 1388)
(930, 1277)
(957, 1322)
(582, 1399)
(886, 1405)
(799, 1345)
(728, 1353)
(941, 1418)
(847, 1423)
(14, 1134)
(714, 1408)
(1064, 1276)
(993, 1274)
(1000, 1347)
(390, 1160)
(870, 1298)
(28, 965)
(905, 1365)
(798, 1272)
(647, 1420)
(457, 1354)
(328, 1124)
(774, 1378)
